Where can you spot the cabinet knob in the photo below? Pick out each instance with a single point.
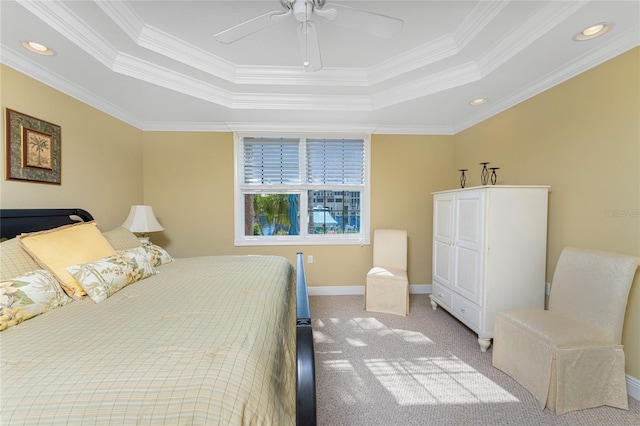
(462, 310)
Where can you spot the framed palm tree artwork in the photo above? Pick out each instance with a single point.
(33, 149)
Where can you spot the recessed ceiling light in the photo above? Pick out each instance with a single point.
(593, 31)
(478, 101)
(37, 48)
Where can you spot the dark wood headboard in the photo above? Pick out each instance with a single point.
(16, 221)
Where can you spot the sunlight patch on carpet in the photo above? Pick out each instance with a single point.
(368, 323)
(351, 384)
(356, 343)
(320, 337)
(412, 336)
(435, 380)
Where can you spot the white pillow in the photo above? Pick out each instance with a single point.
(105, 277)
(31, 294)
(157, 254)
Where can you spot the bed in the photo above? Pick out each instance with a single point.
(201, 340)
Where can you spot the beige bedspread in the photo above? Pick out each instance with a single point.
(209, 340)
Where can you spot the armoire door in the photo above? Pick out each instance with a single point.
(442, 238)
(467, 244)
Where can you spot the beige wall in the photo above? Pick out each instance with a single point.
(582, 138)
(405, 170)
(196, 187)
(101, 156)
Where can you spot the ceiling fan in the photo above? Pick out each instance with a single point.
(372, 23)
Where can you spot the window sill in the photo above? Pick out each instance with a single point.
(297, 241)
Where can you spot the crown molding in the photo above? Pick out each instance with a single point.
(479, 18)
(184, 126)
(123, 16)
(164, 77)
(172, 47)
(421, 56)
(302, 102)
(307, 128)
(453, 77)
(547, 17)
(295, 76)
(12, 59)
(413, 129)
(269, 127)
(616, 46)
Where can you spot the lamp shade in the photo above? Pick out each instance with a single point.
(142, 219)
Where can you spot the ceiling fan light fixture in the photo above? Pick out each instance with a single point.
(38, 48)
(302, 9)
(594, 31)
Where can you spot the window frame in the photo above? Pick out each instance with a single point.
(240, 189)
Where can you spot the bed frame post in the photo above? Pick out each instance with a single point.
(305, 372)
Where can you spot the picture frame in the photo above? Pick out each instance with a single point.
(33, 149)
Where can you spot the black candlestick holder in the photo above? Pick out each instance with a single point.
(463, 178)
(494, 177)
(484, 175)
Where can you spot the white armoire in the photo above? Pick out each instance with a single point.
(489, 253)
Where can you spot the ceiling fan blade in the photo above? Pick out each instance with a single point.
(309, 46)
(251, 26)
(382, 26)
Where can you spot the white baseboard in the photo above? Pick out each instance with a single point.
(633, 387)
(350, 290)
(353, 290)
(420, 289)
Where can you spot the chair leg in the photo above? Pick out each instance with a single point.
(407, 300)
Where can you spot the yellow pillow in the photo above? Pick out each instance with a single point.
(58, 248)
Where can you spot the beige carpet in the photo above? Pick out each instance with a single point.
(426, 369)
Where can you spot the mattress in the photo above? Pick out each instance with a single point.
(208, 340)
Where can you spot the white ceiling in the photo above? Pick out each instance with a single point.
(157, 66)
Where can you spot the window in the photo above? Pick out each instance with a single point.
(301, 190)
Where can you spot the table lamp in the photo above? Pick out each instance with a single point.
(142, 220)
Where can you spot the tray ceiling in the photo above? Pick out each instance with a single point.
(157, 65)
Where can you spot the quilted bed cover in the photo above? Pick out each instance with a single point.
(208, 340)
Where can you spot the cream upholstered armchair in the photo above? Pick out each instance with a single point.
(570, 356)
(387, 286)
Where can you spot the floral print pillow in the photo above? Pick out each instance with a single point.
(31, 294)
(157, 254)
(105, 277)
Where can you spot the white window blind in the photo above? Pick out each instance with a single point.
(271, 161)
(335, 161)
